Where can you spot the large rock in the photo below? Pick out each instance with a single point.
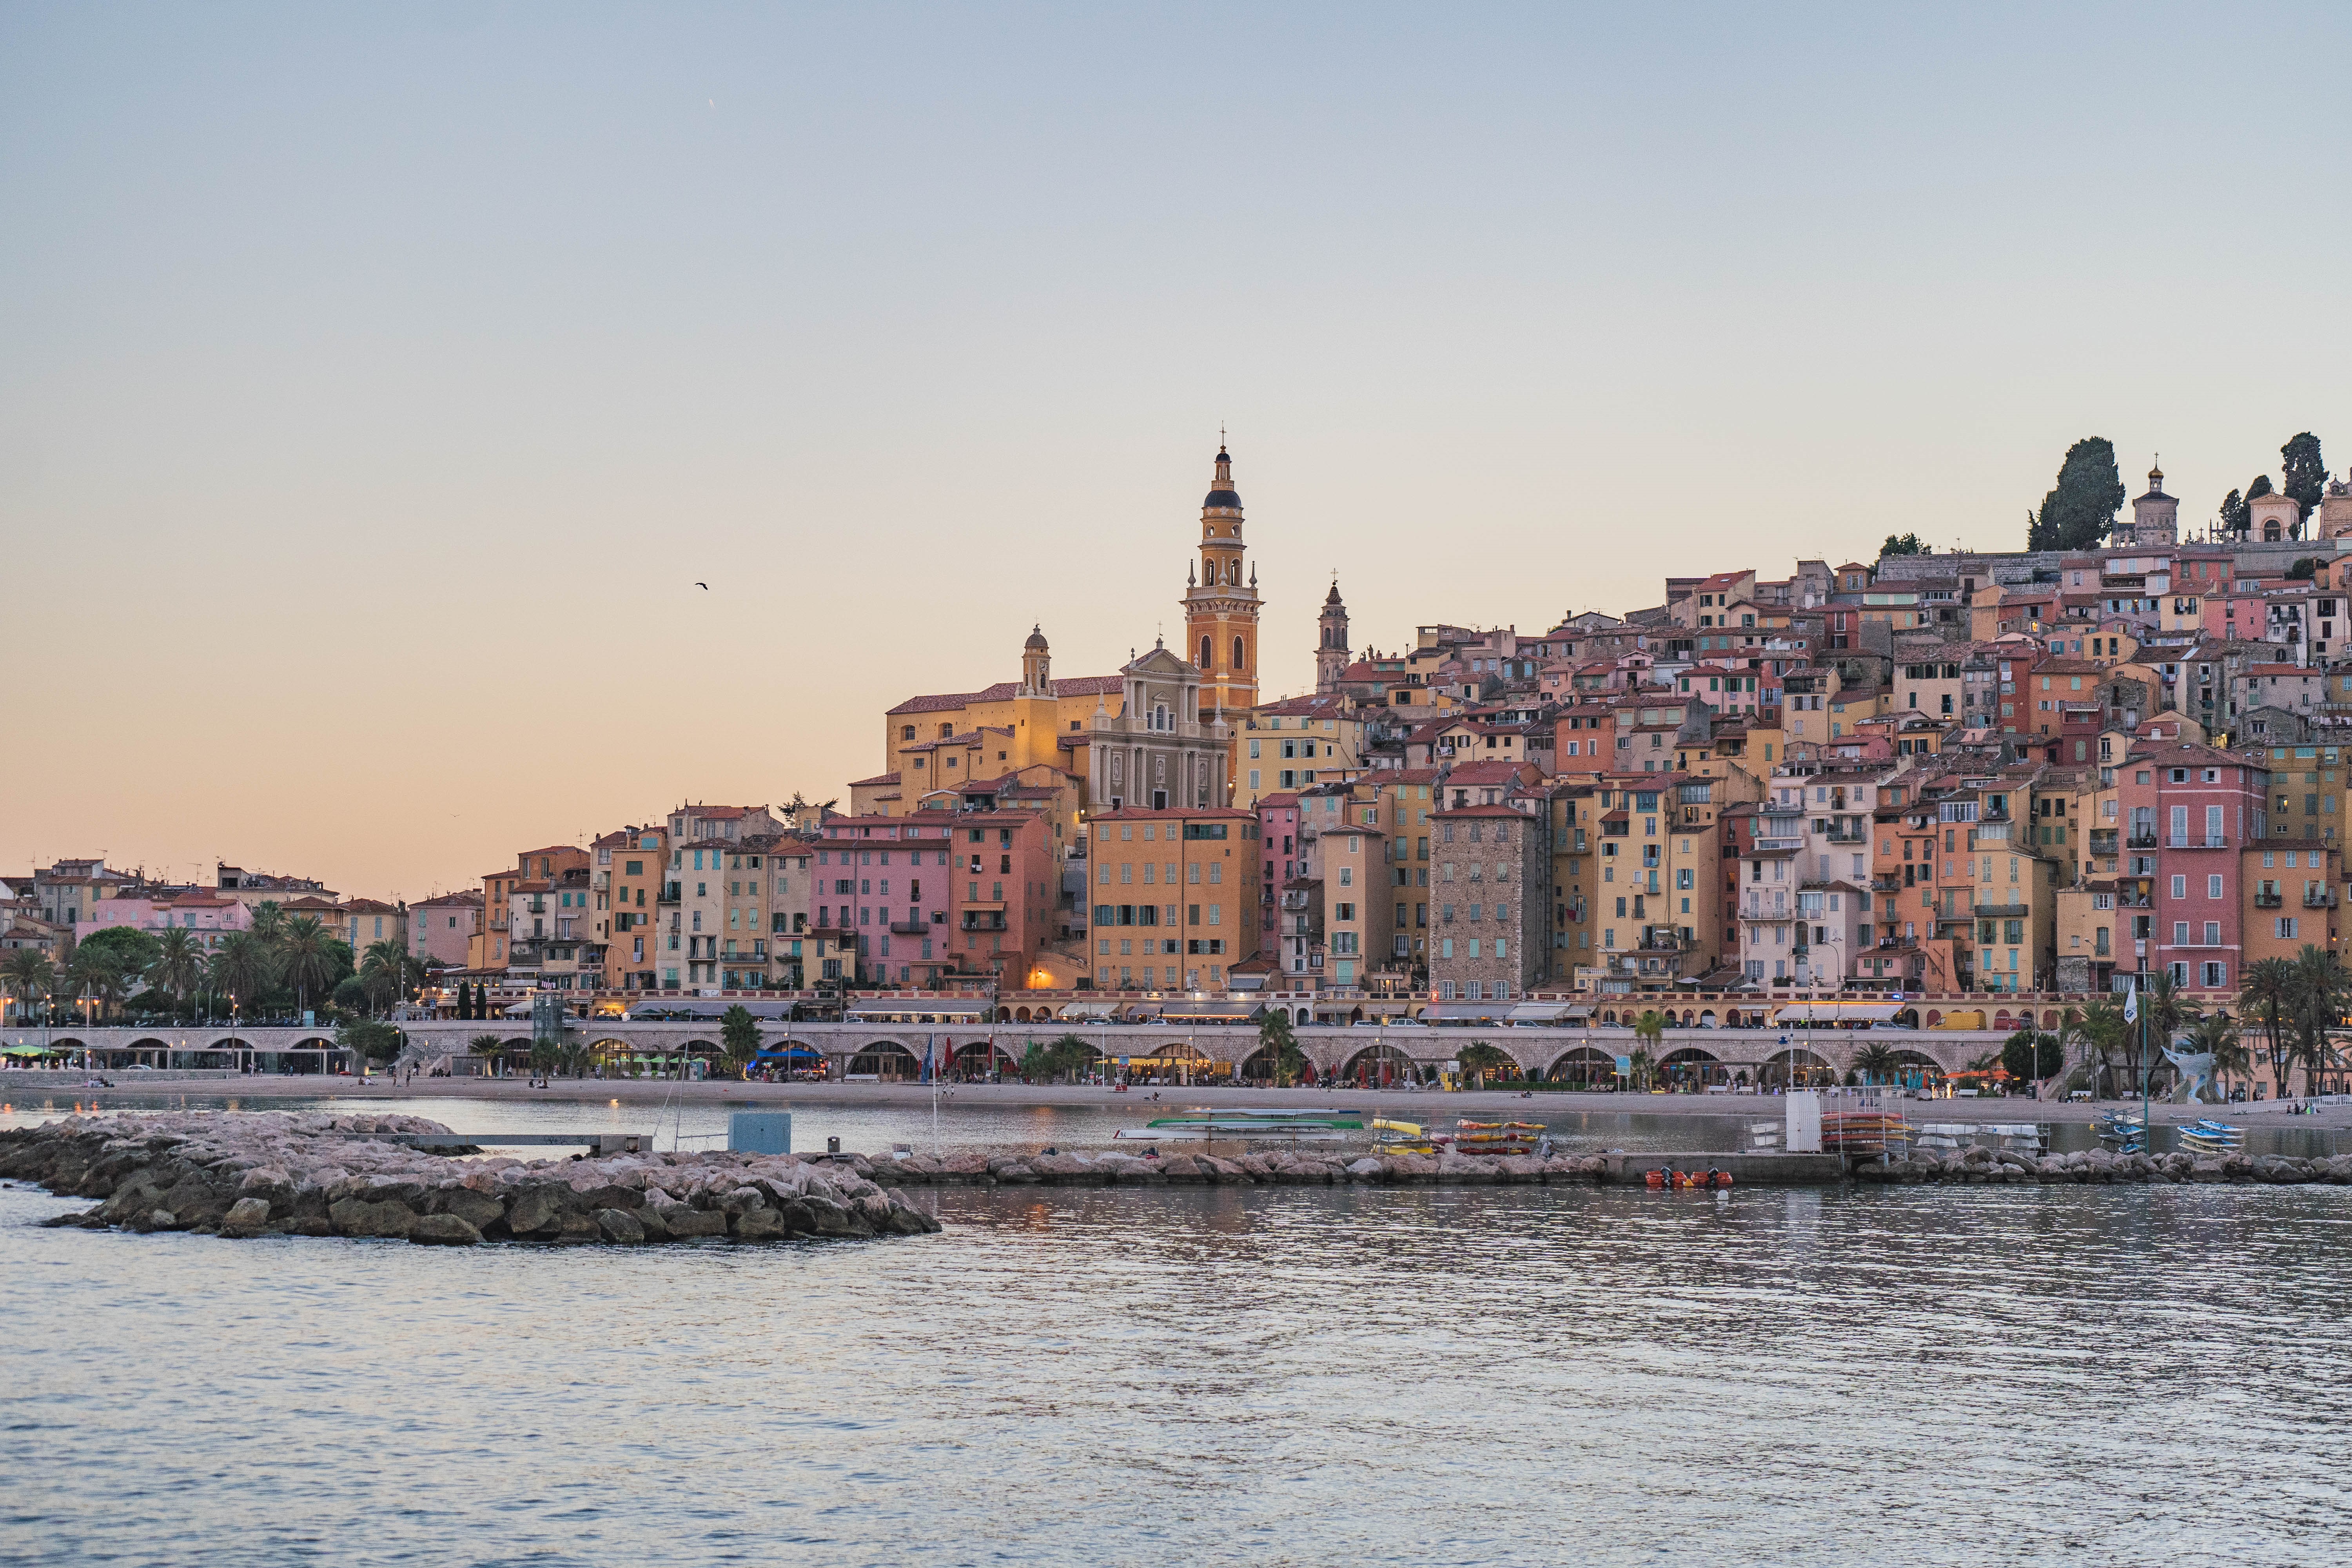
(621, 1226)
(245, 1218)
(763, 1223)
(357, 1216)
(686, 1224)
(442, 1230)
(476, 1209)
(535, 1215)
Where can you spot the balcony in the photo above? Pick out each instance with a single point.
(2102, 840)
(1855, 835)
(2319, 899)
(670, 892)
(2003, 912)
(1885, 884)
(977, 919)
(2141, 838)
(2193, 841)
(1886, 942)
(2268, 900)
(1663, 939)
(910, 927)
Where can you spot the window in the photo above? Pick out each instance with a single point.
(2213, 886)
(2180, 886)
(2287, 927)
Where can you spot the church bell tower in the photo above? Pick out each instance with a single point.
(1221, 608)
(1331, 644)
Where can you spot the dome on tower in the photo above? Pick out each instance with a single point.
(1036, 643)
(1333, 596)
(1221, 495)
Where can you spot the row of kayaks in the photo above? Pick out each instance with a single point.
(1663, 1178)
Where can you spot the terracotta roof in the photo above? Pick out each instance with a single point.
(1077, 686)
(876, 782)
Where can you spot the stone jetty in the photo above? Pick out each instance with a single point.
(248, 1174)
(2103, 1167)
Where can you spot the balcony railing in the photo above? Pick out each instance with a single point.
(2139, 840)
(910, 927)
(2268, 900)
(2196, 841)
(2318, 899)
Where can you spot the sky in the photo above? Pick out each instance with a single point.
(378, 383)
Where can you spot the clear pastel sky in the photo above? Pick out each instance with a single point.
(376, 381)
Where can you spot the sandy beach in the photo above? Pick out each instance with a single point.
(1424, 1105)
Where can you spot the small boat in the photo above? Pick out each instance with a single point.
(1864, 1133)
(2126, 1132)
(2212, 1138)
(1496, 1137)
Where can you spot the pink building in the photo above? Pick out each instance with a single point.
(209, 918)
(440, 929)
(2187, 811)
(1283, 855)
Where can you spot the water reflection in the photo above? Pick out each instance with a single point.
(1499, 1376)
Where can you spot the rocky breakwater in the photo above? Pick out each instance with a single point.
(243, 1174)
(1285, 1167)
(2103, 1167)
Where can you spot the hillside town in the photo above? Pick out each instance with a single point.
(1942, 775)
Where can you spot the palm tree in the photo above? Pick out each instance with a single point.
(29, 973)
(1877, 1061)
(304, 957)
(1275, 1039)
(2267, 995)
(1478, 1058)
(95, 973)
(243, 966)
(2320, 986)
(2099, 1035)
(2163, 1012)
(268, 920)
(385, 969)
(486, 1046)
(179, 965)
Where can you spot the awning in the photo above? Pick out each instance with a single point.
(1210, 1012)
(1549, 1012)
(31, 1050)
(795, 1054)
(1086, 1010)
(1837, 1012)
(1466, 1011)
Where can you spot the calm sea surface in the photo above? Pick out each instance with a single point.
(1966, 1376)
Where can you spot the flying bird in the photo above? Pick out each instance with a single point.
(704, 586)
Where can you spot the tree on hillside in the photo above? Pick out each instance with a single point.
(2303, 474)
(2082, 507)
(2319, 987)
(96, 972)
(1903, 544)
(2237, 517)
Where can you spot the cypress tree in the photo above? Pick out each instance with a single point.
(2081, 509)
(2303, 474)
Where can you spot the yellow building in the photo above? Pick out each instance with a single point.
(1173, 901)
(627, 883)
(944, 740)
(1299, 742)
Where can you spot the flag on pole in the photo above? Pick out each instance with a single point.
(2131, 1002)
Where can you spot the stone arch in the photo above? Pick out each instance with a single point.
(1583, 1064)
(2049, 1017)
(1693, 1064)
(980, 1055)
(1208, 652)
(1379, 1065)
(1021, 1014)
(1005, 1015)
(1916, 1070)
(1934, 1018)
(1797, 1067)
(888, 1060)
(1706, 1018)
(2001, 1020)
